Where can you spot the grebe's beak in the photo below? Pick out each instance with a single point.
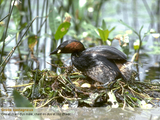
(55, 51)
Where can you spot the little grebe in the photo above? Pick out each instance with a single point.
(100, 63)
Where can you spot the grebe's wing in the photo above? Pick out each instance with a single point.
(107, 51)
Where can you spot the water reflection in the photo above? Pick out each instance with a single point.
(92, 114)
(115, 114)
(153, 73)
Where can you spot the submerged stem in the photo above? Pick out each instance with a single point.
(12, 51)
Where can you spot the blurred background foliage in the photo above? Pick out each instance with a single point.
(29, 30)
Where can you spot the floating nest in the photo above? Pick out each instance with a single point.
(73, 89)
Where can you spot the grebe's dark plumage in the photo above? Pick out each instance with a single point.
(98, 63)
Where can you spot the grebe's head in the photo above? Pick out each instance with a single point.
(69, 46)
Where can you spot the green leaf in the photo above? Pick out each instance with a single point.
(16, 16)
(32, 41)
(20, 101)
(1, 31)
(104, 34)
(112, 29)
(62, 30)
(11, 31)
(54, 19)
(90, 29)
(103, 25)
(1, 1)
(23, 25)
